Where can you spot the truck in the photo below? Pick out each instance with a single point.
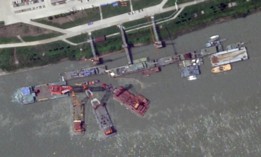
(138, 104)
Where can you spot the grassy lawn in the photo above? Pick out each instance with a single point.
(142, 36)
(41, 55)
(190, 19)
(40, 37)
(110, 10)
(79, 38)
(72, 19)
(136, 22)
(165, 15)
(106, 31)
(98, 33)
(7, 40)
(110, 45)
(2, 23)
(140, 4)
(6, 59)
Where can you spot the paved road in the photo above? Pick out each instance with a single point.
(116, 20)
(214, 116)
(10, 17)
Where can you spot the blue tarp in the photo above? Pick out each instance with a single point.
(190, 71)
(25, 90)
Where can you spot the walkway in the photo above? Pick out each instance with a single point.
(116, 20)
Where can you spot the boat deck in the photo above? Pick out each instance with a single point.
(43, 93)
(229, 56)
(84, 72)
(102, 116)
(130, 100)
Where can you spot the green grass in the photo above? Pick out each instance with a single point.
(140, 4)
(142, 36)
(106, 31)
(40, 37)
(136, 22)
(110, 45)
(109, 10)
(79, 38)
(8, 40)
(187, 21)
(98, 33)
(86, 16)
(42, 55)
(214, 10)
(165, 15)
(7, 59)
(2, 23)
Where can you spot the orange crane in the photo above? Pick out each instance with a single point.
(63, 89)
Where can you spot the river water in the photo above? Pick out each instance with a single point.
(214, 116)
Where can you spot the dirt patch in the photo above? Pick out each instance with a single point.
(22, 30)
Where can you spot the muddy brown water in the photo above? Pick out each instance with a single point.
(216, 115)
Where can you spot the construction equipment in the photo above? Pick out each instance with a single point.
(62, 89)
(78, 114)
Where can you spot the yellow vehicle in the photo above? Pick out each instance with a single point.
(221, 68)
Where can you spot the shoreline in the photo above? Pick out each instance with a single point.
(178, 34)
(216, 110)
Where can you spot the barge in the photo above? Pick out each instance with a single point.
(83, 72)
(229, 56)
(42, 92)
(78, 115)
(138, 104)
(103, 118)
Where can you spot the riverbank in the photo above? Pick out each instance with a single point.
(191, 19)
(216, 115)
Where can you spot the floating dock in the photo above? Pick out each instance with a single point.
(84, 72)
(229, 56)
(32, 94)
(78, 115)
(103, 118)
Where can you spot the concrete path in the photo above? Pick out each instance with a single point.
(56, 29)
(116, 20)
